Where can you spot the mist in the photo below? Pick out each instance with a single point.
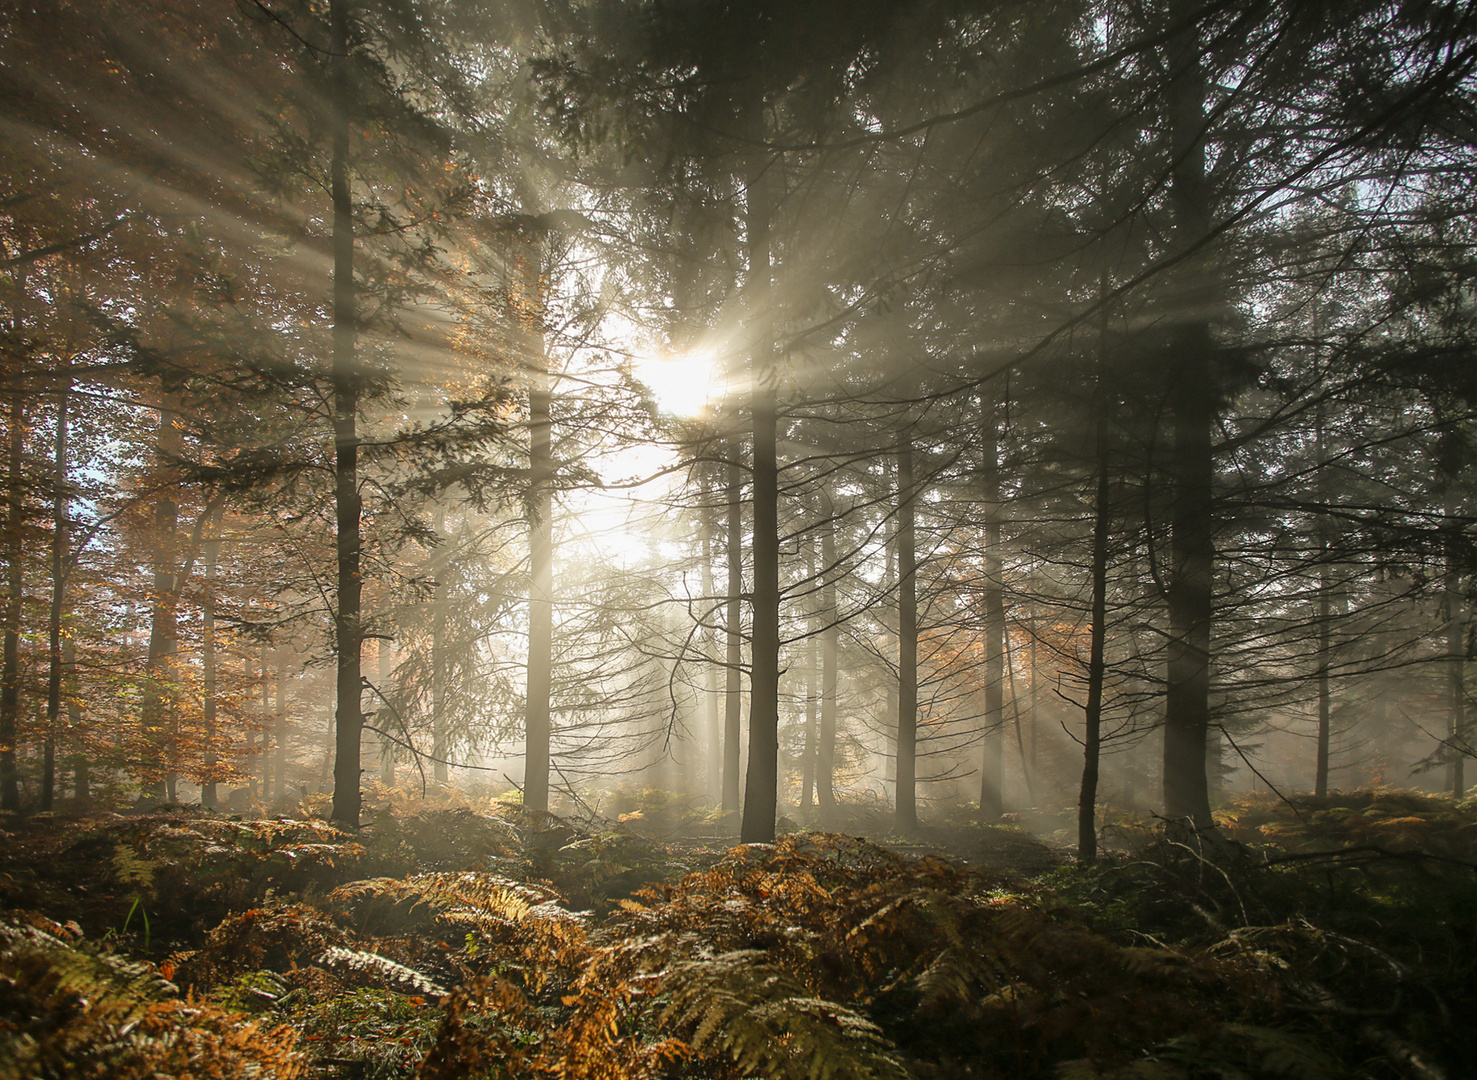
(736, 420)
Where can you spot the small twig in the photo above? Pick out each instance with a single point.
(1270, 786)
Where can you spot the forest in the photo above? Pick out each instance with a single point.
(727, 538)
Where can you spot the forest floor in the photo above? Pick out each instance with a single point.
(1328, 938)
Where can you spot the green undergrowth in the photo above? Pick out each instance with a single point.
(1328, 939)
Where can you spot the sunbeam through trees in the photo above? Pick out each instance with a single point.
(652, 426)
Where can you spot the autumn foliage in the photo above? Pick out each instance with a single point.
(186, 944)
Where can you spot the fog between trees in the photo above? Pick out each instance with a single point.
(796, 409)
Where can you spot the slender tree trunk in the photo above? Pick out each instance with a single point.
(992, 766)
(265, 764)
(1027, 774)
(1035, 727)
(279, 784)
(733, 629)
(1325, 649)
(538, 725)
(384, 669)
(830, 660)
(348, 504)
(81, 772)
(60, 512)
(1192, 400)
(1096, 666)
(761, 781)
(712, 725)
(887, 616)
(157, 768)
(209, 674)
(906, 804)
(1456, 648)
(10, 672)
(439, 747)
(812, 696)
(1324, 611)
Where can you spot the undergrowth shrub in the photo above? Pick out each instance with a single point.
(1354, 913)
(71, 1010)
(369, 1032)
(279, 937)
(1333, 946)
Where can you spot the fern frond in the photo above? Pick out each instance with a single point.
(381, 968)
(84, 1013)
(131, 868)
(743, 1006)
(486, 894)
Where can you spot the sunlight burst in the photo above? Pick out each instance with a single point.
(682, 384)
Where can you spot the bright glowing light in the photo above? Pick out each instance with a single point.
(682, 385)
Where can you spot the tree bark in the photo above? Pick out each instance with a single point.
(992, 764)
(1096, 667)
(383, 669)
(10, 687)
(60, 513)
(279, 783)
(538, 726)
(712, 725)
(761, 780)
(830, 659)
(156, 707)
(1456, 649)
(733, 630)
(81, 775)
(348, 503)
(810, 749)
(264, 766)
(1192, 401)
(439, 747)
(906, 798)
(887, 617)
(209, 675)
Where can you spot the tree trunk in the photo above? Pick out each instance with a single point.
(439, 747)
(60, 512)
(10, 672)
(992, 765)
(1035, 716)
(209, 675)
(156, 707)
(279, 784)
(265, 764)
(1322, 616)
(81, 775)
(761, 781)
(812, 696)
(383, 669)
(1192, 401)
(348, 589)
(1096, 667)
(733, 630)
(538, 726)
(712, 725)
(906, 799)
(1456, 649)
(1027, 773)
(887, 617)
(1325, 635)
(830, 657)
